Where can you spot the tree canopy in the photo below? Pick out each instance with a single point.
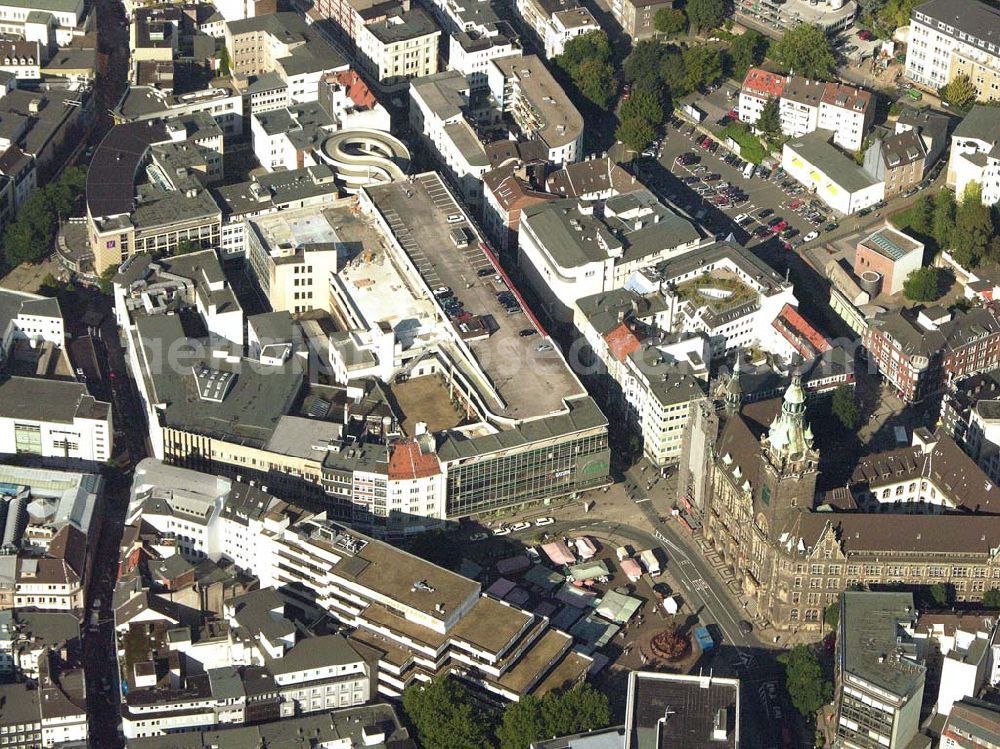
(747, 51)
(959, 91)
(844, 406)
(29, 237)
(670, 21)
(705, 14)
(635, 133)
(586, 61)
(973, 229)
(702, 66)
(769, 122)
(557, 714)
(991, 599)
(923, 285)
(645, 103)
(444, 717)
(944, 218)
(805, 50)
(807, 688)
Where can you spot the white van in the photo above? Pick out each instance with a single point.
(748, 170)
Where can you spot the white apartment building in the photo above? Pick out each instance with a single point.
(38, 21)
(471, 52)
(524, 89)
(974, 156)
(555, 22)
(967, 645)
(31, 318)
(438, 105)
(955, 37)
(759, 87)
(54, 419)
(286, 139)
(567, 252)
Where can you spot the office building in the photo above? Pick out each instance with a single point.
(566, 251)
(879, 671)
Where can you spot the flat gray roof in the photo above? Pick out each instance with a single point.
(871, 636)
(560, 123)
(530, 383)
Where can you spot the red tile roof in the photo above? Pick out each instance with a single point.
(808, 341)
(621, 341)
(762, 82)
(409, 462)
(357, 89)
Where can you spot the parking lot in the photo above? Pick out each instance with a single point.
(718, 195)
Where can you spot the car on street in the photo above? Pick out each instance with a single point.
(810, 236)
(539, 522)
(745, 627)
(527, 332)
(522, 526)
(831, 227)
(503, 530)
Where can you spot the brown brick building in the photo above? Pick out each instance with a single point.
(792, 560)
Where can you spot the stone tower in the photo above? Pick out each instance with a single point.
(788, 462)
(734, 391)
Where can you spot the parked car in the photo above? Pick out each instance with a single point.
(775, 221)
(503, 530)
(790, 232)
(484, 272)
(712, 177)
(810, 236)
(741, 217)
(528, 332)
(779, 227)
(523, 526)
(761, 231)
(442, 291)
(543, 347)
(831, 227)
(479, 536)
(764, 212)
(539, 522)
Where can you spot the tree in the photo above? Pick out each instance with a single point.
(594, 45)
(807, 688)
(105, 282)
(923, 285)
(844, 407)
(580, 709)
(643, 62)
(673, 73)
(959, 91)
(644, 104)
(944, 218)
(939, 595)
(705, 14)
(224, 62)
(596, 81)
(991, 599)
(444, 717)
(921, 216)
(769, 122)
(831, 615)
(187, 246)
(702, 65)
(805, 49)
(973, 228)
(635, 133)
(746, 51)
(670, 21)
(29, 237)
(522, 724)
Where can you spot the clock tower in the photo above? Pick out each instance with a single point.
(788, 462)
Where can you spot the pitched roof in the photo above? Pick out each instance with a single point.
(763, 82)
(621, 341)
(408, 461)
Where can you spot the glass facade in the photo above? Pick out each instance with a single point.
(536, 472)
